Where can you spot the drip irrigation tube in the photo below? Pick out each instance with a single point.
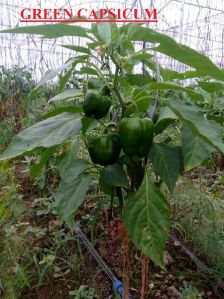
(194, 258)
(117, 284)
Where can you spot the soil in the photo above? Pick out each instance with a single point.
(160, 284)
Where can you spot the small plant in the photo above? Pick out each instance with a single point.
(190, 292)
(83, 293)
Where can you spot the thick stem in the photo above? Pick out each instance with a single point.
(126, 271)
(111, 207)
(145, 275)
(115, 87)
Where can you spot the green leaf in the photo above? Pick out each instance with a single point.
(35, 169)
(50, 74)
(195, 150)
(146, 218)
(167, 161)
(69, 155)
(114, 175)
(69, 197)
(70, 109)
(104, 31)
(89, 71)
(182, 53)
(141, 56)
(46, 133)
(51, 31)
(193, 118)
(211, 86)
(166, 118)
(70, 172)
(141, 101)
(88, 124)
(67, 94)
(219, 104)
(174, 86)
(169, 75)
(77, 49)
(64, 78)
(137, 79)
(106, 188)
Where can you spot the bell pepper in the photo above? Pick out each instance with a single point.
(96, 105)
(136, 136)
(104, 149)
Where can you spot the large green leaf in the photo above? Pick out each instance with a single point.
(67, 94)
(60, 110)
(77, 49)
(69, 197)
(69, 155)
(104, 31)
(193, 118)
(211, 86)
(174, 86)
(70, 172)
(141, 101)
(64, 77)
(169, 75)
(114, 175)
(146, 218)
(166, 118)
(136, 79)
(182, 53)
(195, 150)
(50, 74)
(88, 124)
(89, 71)
(45, 154)
(167, 162)
(46, 133)
(51, 31)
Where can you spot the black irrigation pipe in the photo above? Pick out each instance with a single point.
(116, 282)
(201, 265)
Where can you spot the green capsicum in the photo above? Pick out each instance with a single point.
(104, 149)
(96, 105)
(136, 135)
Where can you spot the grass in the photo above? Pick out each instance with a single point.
(199, 215)
(6, 131)
(11, 209)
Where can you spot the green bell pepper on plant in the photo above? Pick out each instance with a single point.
(136, 136)
(96, 105)
(104, 149)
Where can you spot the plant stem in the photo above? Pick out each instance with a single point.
(115, 82)
(126, 273)
(98, 71)
(115, 86)
(111, 212)
(213, 100)
(145, 274)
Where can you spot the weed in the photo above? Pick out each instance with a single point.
(200, 216)
(190, 292)
(83, 293)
